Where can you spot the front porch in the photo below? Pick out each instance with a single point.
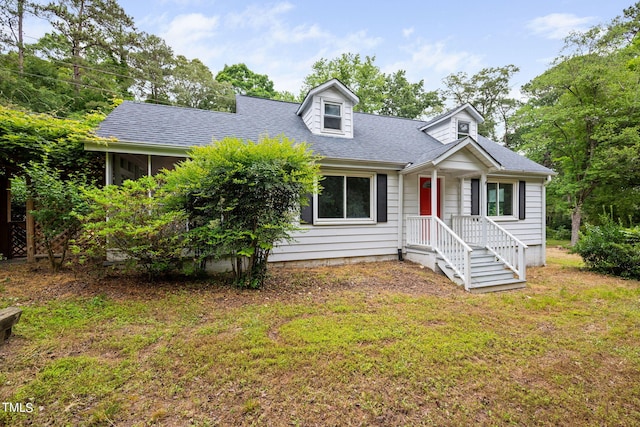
(475, 252)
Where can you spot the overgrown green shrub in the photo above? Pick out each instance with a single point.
(242, 198)
(609, 248)
(58, 203)
(560, 233)
(136, 226)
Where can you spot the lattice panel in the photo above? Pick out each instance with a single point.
(58, 241)
(18, 232)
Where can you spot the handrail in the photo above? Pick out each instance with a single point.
(432, 231)
(483, 231)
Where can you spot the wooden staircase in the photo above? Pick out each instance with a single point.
(488, 274)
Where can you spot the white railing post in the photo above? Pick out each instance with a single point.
(522, 263)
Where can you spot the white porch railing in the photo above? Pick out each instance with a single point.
(482, 231)
(430, 231)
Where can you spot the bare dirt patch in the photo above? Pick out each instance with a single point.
(36, 283)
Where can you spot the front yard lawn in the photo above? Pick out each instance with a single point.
(367, 344)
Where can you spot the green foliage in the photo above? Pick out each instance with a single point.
(582, 120)
(58, 203)
(488, 91)
(193, 86)
(242, 197)
(94, 38)
(152, 68)
(26, 137)
(378, 93)
(247, 82)
(609, 248)
(137, 226)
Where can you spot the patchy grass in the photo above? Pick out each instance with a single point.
(368, 344)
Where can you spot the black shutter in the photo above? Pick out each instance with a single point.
(522, 197)
(381, 198)
(306, 213)
(475, 197)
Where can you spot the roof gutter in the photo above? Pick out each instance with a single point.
(130, 147)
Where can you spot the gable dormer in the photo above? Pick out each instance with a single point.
(328, 110)
(454, 124)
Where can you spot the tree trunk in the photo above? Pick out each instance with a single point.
(576, 219)
(20, 37)
(76, 49)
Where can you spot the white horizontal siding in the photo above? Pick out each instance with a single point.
(311, 117)
(529, 230)
(442, 132)
(461, 161)
(345, 241)
(451, 200)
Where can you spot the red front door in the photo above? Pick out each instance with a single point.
(425, 196)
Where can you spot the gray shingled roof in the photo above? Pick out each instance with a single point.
(376, 138)
(511, 160)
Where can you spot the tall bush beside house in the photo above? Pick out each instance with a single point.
(58, 201)
(133, 222)
(611, 249)
(242, 197)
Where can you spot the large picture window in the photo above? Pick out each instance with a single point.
(500, 197)
(346, 197)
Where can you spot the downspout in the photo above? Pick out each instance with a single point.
(544, 218)
(400, 215)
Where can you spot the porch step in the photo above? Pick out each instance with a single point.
(487, 273)
(497, 286)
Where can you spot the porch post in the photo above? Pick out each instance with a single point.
(5, 217)
(149, 169)
(434, 206)
(31, 226)
(483, 206)
(108, 169)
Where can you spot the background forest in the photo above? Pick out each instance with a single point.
(581, 117)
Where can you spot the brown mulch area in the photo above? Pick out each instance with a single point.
(35, 283)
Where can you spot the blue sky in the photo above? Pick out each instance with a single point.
(428, 39)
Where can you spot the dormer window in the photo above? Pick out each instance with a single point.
(463, 129)
(332, 119)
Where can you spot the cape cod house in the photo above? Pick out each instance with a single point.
(433, 192)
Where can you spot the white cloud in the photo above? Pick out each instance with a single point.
(189, 34)
(182, 3)
(358, 42)
(434, 61)
(407, 32)
(299, 34)
(267, 38)
(257, 17)
(557, 26)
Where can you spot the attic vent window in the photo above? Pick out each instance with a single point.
(332, 116)
(463, 129)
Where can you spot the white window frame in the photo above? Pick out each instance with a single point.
(323, 114)
(514, 199)
(458, 129)
(348, 221)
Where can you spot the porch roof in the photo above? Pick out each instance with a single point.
(439, 155)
